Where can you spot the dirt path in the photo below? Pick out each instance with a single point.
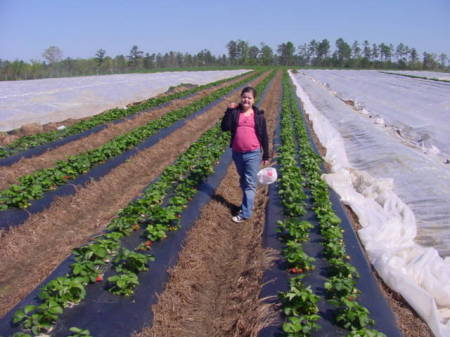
(219, 273)
(32, 250)
(10, 174)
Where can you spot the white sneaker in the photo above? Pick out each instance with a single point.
(238, 218)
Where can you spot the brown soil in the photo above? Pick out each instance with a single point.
(10, 174)
(32, 250)
(220, 269)
(409, 322)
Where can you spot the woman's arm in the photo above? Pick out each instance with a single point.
(227, 120)
(264, 141)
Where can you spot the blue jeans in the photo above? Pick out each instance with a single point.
(247, 165)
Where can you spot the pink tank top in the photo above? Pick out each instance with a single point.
(245, 138)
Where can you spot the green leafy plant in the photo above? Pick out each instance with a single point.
(295, 229)
(301, 326)
(297, 257)
(63, 290)
(129, 261)
(341, 268)
(123, 284)
(352, 315)
(38, 318)
(20, 334)
(340, 287)
(364, 332)
(77, 332)
(156, 232)
(299, 299)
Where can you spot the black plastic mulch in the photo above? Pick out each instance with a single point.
(371, 296)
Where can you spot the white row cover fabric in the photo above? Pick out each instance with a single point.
(366, 163)
(55, 99)
(389, 110)
(420, 73)
(415, 110)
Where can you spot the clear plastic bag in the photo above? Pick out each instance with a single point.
(267, 175)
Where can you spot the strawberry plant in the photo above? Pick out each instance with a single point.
(334, 249)
(300, 308)
(64, 291)
(123, 284)
(39, 318)
(364, 332)
(352, 315)
(341, 268)
(129, 261)
(301, 326)
(85, 271)
(77, 332)
(297, 257)
(299, 300)
(295, 229)
(340, 287)
(156, 232)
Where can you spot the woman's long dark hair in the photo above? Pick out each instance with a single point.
(249, 89)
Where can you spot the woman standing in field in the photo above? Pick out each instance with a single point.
(248, 139)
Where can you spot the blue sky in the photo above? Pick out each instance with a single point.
(81, 27)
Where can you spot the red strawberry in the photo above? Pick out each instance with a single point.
(99, 278)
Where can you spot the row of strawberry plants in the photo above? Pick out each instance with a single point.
(299, 303)
(341, 283)
(33, 186)
(31, 141)
(158, 210)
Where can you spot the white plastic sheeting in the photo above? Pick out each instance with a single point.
(411, 118)
(372, 172)
(415, 110)
(427, 74)
(50, 100)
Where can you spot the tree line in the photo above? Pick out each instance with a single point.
(357, 55)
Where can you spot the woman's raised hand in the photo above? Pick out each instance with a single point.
(232, 105)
